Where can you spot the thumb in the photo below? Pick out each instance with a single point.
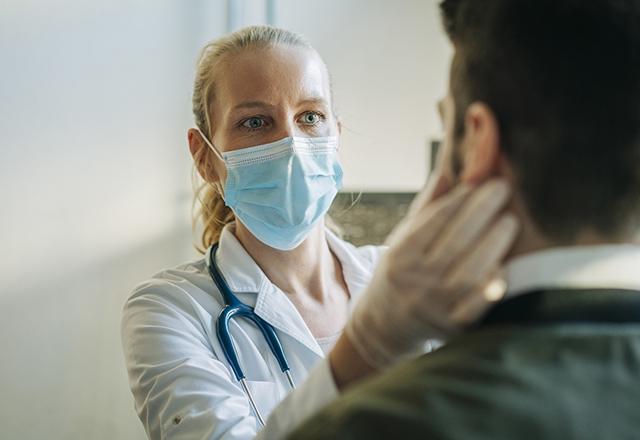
(437, 186)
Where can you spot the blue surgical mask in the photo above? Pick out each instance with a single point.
(281, 190)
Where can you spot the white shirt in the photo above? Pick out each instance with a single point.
(598, 266)
(181, 382)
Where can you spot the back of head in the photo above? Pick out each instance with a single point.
(563, 79)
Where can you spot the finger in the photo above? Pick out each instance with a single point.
(415, 222)
(424, 226)
(492, 289)
(469, 310)
(441, 185)
(472, 218)
(437, 186)
(434, 317)
(487, 254)
(476, 303)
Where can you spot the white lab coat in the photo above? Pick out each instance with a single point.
(182, 384)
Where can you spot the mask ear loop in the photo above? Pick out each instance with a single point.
(217, 153)
(214, 149)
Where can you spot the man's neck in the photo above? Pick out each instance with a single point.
(531, 239)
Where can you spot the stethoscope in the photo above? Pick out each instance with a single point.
(234, 307)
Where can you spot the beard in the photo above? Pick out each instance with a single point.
(456, 160)
(457, 164)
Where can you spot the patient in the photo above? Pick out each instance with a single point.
(546, 94)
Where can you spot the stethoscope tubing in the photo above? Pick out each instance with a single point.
(236, 308)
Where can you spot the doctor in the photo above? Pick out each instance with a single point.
(266, 145)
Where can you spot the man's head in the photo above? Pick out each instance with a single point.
(550, 90)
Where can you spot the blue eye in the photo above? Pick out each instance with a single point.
(254, 123)
(311, 118)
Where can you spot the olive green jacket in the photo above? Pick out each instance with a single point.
(545, 365)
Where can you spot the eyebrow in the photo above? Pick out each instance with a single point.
(315, 100)
(252, 104)
(262, 104)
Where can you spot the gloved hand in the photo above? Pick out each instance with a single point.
(433, 279)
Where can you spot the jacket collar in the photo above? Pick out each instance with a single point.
(570, 306)
(598, 283)
(252, 287)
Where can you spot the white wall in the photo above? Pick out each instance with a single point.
(94, 106)
(94, 171)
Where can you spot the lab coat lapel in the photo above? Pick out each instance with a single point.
(273, 305)
(253, 288)
(358, 264)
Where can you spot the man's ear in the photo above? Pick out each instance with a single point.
(202, 156)
(481, 144)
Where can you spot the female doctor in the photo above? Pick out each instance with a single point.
(266, 144)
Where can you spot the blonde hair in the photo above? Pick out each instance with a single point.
(213, 212)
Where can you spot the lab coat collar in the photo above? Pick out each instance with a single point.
(356, 270)
(251, 285)
(240, 271)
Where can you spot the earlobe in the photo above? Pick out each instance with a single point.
(481, 144)
(194, 142)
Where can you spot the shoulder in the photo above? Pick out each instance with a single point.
(455, 392)
(387, 406)
(371, 253)
(182, 292)
(365, 256)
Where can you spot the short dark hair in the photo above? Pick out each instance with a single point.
(563, 79)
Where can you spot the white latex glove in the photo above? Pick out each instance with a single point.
(433, 279)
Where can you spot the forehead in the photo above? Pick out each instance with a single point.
(274, 75)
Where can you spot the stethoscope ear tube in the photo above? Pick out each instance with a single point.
(224, 337)
(273, 341)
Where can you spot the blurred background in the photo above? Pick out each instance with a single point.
(95, 172)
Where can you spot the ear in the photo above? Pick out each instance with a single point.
(202, 156)
(481, 144)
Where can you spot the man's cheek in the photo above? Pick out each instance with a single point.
(457, 164)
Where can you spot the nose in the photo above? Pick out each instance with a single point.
(288, 126)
